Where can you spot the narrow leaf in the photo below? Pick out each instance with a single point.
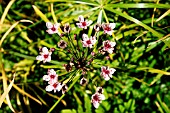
(39, 13)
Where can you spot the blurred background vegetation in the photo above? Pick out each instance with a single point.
(142, 55)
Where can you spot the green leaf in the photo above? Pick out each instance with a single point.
(139, 5)
(87, 103)
(154, 32)
(163, 105)
(39, 13)
(68, 111)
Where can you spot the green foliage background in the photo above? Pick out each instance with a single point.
(141, 58)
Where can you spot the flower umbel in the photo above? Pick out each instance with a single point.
(79, 53)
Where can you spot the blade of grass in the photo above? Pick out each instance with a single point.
(51, 95)
(6, 91)
(82, 13)
(163, 105)
(39, 13)
(152, 70)
(164, 15)
(159, 35)
(75, 1)
(153, 15)
(10, 29)
(26, 94)
(53, 14)
(159, 107)
(39, 97)
(138, 5)
(6, 11)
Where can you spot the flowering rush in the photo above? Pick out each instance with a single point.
(81, 52)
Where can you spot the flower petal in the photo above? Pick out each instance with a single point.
(112, 25)
(46, 77)
(49, 88)
(39, 57)
(49, 25)
(56, 25)
(45, 50)
(81, 18)
(89, 22)
(102, 97)
(95, 104)
(112, 44)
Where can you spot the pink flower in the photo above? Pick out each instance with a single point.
(108, 46)
(97, 27)
(83, 23)
(45, 55)
(67, 28)
(107, 72)
(96, 99)
(83, 81)
(56, 86)
(108, 28)
(64, 88)
(88, 42)
(52, 28)
(99, 90)
(62, 44)
(52, 77)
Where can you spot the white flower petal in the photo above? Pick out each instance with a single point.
(95, 104)
(85, 37)
(49, 88)
(110, 50)
(49, 31)
(48, 59)
(44, 50)
(112, 25)
(107, 78)
(109, 32)
(39, 57)
(112, 44)
(56, 25)
(89, 22)
(59, 87)
(112, 70)
(49, 25)
(81, 18)
(102, 97)
(46, 77)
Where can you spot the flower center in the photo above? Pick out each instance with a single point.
(106, 45)
(55, 85)
(88, 41)
(53, 28)
(107, 28)
(52, 76)
(96, 97)
(62, 44)
(84, 23)
(46, 56)
(106, 71)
